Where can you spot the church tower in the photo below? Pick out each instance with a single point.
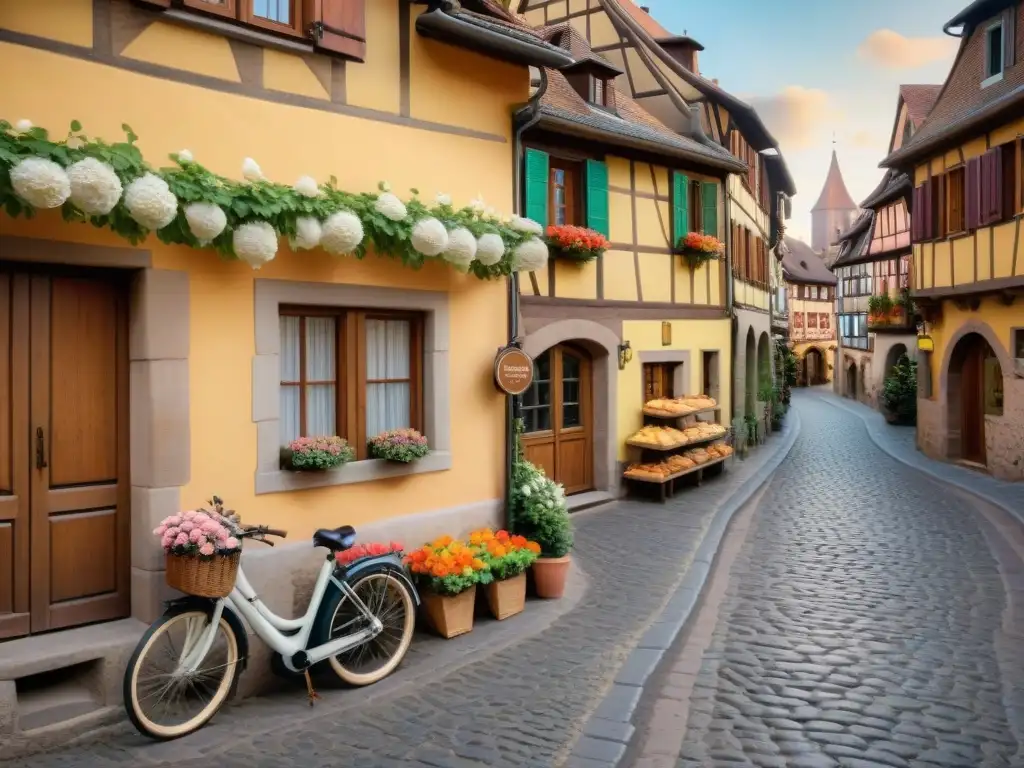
(835, 210)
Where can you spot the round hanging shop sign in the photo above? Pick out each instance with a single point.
(513, 371)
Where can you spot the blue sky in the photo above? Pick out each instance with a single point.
(814, 67)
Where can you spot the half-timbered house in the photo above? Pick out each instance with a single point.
(660, 72)
(810, 294)
(965, 166)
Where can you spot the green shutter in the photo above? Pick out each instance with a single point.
(709, 199)
(680, 206)
(536, 186)
(597, 196)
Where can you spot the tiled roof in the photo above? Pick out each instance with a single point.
(893, 184)
(856, 239)
(962, 100)
(834, 195)
(631, 122)
(564, 36)
(800, 264)
(644, 19)
(919, 100)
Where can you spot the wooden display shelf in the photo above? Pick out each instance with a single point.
(667, 486)
(677, 446)
(676, 417)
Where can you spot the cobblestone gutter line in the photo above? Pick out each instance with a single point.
(1007, 496)
(609, 730)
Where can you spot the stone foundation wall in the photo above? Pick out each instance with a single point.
(1004, 435)
(931, 428)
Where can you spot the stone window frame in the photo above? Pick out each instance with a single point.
(269, 295)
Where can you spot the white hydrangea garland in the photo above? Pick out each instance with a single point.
(530, 255)
(94, 188)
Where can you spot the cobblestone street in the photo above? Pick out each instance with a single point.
(865, 623)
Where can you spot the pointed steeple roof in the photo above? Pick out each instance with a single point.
(834, 196)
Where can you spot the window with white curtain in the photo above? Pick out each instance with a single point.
(337, 363)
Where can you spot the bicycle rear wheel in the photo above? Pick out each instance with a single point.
(390, 600)
(165, 703)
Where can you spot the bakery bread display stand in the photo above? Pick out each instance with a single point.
(675, 443)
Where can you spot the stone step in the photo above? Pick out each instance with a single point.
(52, 704)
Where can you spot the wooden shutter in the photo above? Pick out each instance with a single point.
(597, 196)
(709, 207)
(972, 193)
(680, 206)
(992, 186)
(535, 186)
(917, 215)
(339, 26)
(929, 222)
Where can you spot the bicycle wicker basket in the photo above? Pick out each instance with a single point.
(203, 577)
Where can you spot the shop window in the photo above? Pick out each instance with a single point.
(709, 374)
(658, 380)
(1018, 343)
(536, 405)
(350, 373)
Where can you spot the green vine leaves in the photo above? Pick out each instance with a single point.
(235, 217)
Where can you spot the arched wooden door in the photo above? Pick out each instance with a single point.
(558, 420)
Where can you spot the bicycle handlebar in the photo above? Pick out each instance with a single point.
(257, 532)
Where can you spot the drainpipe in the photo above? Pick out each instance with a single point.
(728, 302)
(512, 282)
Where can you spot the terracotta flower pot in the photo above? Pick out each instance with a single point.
(507, 598)
(549, 576)
(450, 616)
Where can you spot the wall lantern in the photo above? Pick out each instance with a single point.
(666, 333)
(625, 354)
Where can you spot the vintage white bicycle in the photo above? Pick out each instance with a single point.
(360, 619)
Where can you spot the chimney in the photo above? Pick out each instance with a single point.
(645, 9)
(684, 50)
(714, 81)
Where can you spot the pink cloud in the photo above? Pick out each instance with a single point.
(891, 50)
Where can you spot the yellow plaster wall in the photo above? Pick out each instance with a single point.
(752, 296)
(374, 84)
(619, 276)
(189, 50)
(694, 336)
(54, 89)
(574, 280)
(744, 209)
(999, 317)
(69, 21)
(290, 74)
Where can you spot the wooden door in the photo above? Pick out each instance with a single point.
(66, 506)
(972, 411)
(558, 418)
(15, 615)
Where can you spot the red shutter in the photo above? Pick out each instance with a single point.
(339, 26)
(972, 192)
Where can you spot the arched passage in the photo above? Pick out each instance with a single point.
(814, 367)
(591, 349)
(764, 360)
(851, 379)
(974, 380)
(896, 351)
(750, 390)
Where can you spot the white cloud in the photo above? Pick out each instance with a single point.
(866, 140)
(796, 115)
(891, 50)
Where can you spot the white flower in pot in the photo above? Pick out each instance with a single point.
(41, 183)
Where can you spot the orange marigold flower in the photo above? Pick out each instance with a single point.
(533, 546)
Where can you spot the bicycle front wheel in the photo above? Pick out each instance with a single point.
(165, 701)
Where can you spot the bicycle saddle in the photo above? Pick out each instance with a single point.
(336, 540)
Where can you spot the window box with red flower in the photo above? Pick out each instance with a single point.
(699, 249)
(577, 244)
(447, 572)
(508, 557)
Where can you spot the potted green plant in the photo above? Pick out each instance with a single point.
(899, 393)
(508, 557)
(401, 445)
(316, 454)
(539, 513)
(447, 572)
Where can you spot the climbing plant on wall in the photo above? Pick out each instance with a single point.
(112, 186)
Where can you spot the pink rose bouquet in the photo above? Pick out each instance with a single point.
(198, 533)
(402, 445)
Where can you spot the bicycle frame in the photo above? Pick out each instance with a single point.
(286, 636)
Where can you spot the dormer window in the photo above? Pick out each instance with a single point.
(995, 55)
(598, 92)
